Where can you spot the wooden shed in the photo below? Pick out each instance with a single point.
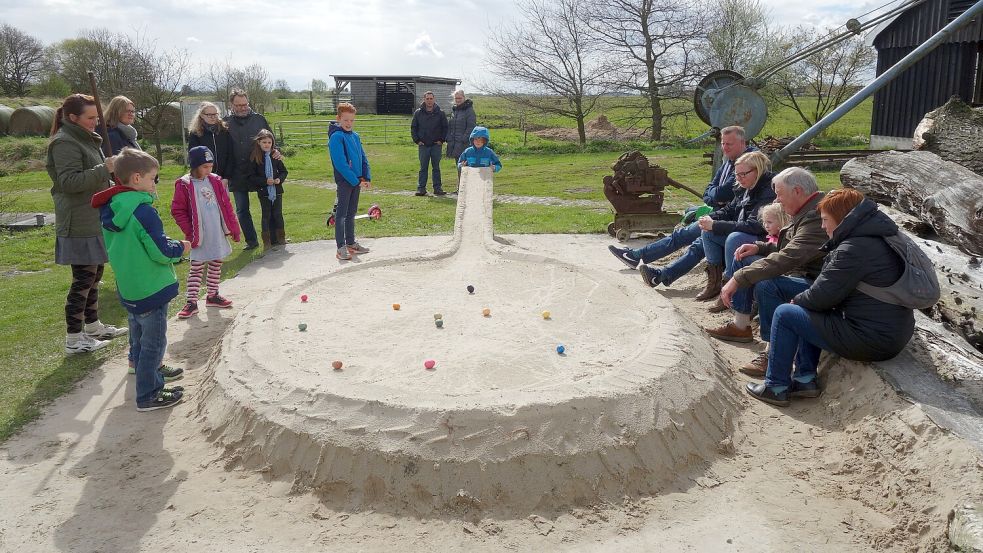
(954, 68)
(5, 113)
(395, 94)
(31, 121)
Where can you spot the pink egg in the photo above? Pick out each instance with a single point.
(304, 298)
(429, 364)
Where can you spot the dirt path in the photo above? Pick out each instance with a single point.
(857, 469)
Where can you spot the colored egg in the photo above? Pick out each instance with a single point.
(546, 314)
(395, 307)
(560, 349)
(470, 289)
(302, 327)
(439, 323)
(336, 365)
(437, 316)
(303, 298)
(429, 364)
(486, 312)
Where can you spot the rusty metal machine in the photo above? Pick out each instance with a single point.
(637, 191)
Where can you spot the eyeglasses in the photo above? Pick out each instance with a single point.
(210, 114)
(131, 111)
(743, 174)
(246, 105)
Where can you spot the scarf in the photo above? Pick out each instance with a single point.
(129, 132)
(268, 166)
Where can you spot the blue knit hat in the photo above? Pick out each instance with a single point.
(199, 155)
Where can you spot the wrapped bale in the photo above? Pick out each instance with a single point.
(31, 121)
(5, 113)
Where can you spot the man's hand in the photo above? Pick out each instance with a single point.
(727, 292)
(745, 250)
(365, 184)
(187, 247)
(269, 182)
(705, 223)
(276, 154)
(438, 142)
(421, 143)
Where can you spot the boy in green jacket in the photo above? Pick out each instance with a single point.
(143, 261)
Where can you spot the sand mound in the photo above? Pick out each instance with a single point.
(503, 422)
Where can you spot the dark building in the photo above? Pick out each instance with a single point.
(395, 95)
(954, 68)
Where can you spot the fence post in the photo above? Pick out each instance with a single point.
(311, 93)
(280, 127)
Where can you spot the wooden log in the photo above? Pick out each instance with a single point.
(954, 132)
(946, 195)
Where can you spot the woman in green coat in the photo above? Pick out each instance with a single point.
(78, 170)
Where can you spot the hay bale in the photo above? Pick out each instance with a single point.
(170, 126)
(5, 113)
(31, 121)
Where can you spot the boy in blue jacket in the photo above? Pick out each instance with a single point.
(478, 155)
(351, 174)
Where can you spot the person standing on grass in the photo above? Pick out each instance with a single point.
(266, 177)
(429, 131)
(78, 169)
(244, 124)
(463, 121)
(351, 174)
(120, 116)
(143, 259)
(208, 129)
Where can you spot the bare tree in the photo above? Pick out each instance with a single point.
(549, 61)
(109, 55)
(281, 88)
(653, 49)
(318, 87)
(737, 37)
(22, 61)
(254, 79)
(162, 76)
(818, 84)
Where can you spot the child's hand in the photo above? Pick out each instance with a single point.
(269, 181)
(226, 183)
(187, 246)
(365, 184)
(464, 163)
(276, 181)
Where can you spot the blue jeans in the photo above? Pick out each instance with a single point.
(148, 334)
(429, 155)
(743, 298)
(344, 217)
(662, 247)
(771, 294)
(793, 337)
(720, 248)
(245, 218)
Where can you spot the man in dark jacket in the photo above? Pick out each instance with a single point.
(243, 124)
(429, 131)
(774, 273)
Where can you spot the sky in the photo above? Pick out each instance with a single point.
(298, 40)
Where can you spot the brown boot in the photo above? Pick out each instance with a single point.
(267, 244)
(718, 307)
(730, 333)
(715, 274)
(281, 237)
(757, 367)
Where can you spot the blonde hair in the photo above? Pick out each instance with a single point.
(758, 160)
(197, 125)
(131, 161)
(775, 211)
(116, 109)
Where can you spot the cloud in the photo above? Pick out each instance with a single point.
(423, 46)
(193, 39)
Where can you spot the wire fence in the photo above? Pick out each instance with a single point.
(314, 132)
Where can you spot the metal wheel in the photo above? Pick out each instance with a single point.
(611, 229)
(713, 82)
(622, 235)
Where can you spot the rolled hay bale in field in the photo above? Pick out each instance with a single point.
(5, 113)
(164, 120)
(31, 121)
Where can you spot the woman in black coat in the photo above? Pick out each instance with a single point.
(833, 314)
(208, 129)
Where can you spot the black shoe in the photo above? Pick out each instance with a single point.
(805, 389)
(173, 389)
(421, 192)
(439, 193)
(171, 373)
(652, 277)
(163, 400)
(251, 246)
(765, 394)
(625, 256)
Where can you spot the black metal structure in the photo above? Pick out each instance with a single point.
(395, 97)
(955, 68)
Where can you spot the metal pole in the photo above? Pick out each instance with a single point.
(878, 83)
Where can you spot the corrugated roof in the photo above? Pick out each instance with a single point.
(448, 80)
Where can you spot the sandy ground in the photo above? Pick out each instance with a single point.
(855, 470)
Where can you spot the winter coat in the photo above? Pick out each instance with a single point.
(428, 126)
(222, 147)
(243, 131)
(741, 214)
(797, 252)
(480, 157)
(721, 189)
(118, 141)
(855, 325)
(184, 209)
(77, 169)
(463, 120)
(257, 176)
(142, 256)
(348, 159)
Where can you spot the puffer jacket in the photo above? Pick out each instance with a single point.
(184, 209)
(855, 325)
(243, 131)
(463, 121)
(741, 214)
(77, 169)
(428, 126)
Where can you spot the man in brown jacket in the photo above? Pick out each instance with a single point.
(775, 273)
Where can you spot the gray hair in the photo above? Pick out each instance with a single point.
(461, 90)
(734, 129)
(797, 177)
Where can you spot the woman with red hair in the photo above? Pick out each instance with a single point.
(833, 314)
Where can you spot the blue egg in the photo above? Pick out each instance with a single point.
(560, 349)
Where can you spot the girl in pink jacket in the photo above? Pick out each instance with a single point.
(202, 210)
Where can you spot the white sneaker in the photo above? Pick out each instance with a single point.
(101, 331)
(82, 343)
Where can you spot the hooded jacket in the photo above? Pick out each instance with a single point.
(221, 146)
(721, 189)
(77, 169)
(347, 156)
(741, 214)
(855, 325)
(141, 255)
(118, 140)
(243, 130)
(459, 128)
(480, 157)
(428, 126)
(184, 209)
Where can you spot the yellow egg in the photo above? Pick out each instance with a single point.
(546, 314)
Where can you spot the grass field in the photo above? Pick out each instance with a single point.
(36, 372)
